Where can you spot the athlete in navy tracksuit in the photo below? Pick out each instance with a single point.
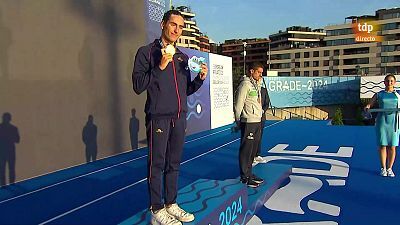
(166, 107)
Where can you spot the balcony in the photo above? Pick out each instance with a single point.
(394, 31)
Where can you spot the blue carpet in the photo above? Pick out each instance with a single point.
(113, 189)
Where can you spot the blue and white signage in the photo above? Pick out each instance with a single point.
(312, 91)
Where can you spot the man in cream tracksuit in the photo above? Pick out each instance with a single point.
(248, 112)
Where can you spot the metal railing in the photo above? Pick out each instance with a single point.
(293, 115)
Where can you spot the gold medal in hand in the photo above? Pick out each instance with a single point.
(170, 49)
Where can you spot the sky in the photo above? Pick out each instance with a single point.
(230, 19)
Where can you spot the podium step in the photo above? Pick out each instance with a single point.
(224, 202)
(274, 175)
(212, 201)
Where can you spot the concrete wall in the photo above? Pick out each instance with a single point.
(61, 60)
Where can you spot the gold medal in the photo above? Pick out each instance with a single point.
(170, 49)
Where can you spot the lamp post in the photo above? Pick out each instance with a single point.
(269, 55)
(244, 57)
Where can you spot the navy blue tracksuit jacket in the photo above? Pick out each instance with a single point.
(167, 90)
(165, 109)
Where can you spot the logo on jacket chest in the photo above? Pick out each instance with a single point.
(253, 93)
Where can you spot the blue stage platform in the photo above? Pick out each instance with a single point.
(226, 201)
(334, 180)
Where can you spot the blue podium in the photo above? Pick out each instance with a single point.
(227, 202)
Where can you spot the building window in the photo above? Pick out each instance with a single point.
(390, 26)
(326, 62)
(306, 55)
(315, 73)
(296, 65)
(337, 32)
(285, 56)
(315, 63)
(352, 51)
(326, 52)
(356, 61)
(336, 52)
(325, 72)
(335, 72)
(389, 59)
(391, 15)
(280, 56)
(347, 41)
(350, 72)
(297, 73)
(284, 74)
(336, 62)
(390, 48)
(297, 55)
(316, 54)
(306, 64)
(275, 66)
(306, 73)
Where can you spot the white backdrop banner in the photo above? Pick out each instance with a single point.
(221, 90)
(369, 85)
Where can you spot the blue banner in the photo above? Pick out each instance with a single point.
(154, 11)
(312, 91)
(199, 111)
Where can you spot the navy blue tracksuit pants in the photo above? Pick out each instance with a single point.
(249, 142)
(165, 139)
(261, 136)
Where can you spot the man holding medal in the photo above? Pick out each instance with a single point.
(248, 112)
(162, 70)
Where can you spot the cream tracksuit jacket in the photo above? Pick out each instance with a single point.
(247, 106)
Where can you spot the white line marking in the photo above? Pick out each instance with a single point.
(325, 208)
(65, 181)
(336, 182)
(89, 203)
(131, 185)
(95, 171)
(206, 136)
(310, 148)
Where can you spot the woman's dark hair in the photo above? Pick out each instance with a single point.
(390, 75)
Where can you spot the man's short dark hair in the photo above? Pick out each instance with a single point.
(255, 65)
(168, 14)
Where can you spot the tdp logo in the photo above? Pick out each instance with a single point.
(365, 27)
(366, 31)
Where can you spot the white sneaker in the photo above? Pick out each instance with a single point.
(162, 217)
(390, 172)
(384, 172)
(179, 213)
(259, 159)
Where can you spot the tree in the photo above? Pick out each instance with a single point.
(237, 75)
(338, 117)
